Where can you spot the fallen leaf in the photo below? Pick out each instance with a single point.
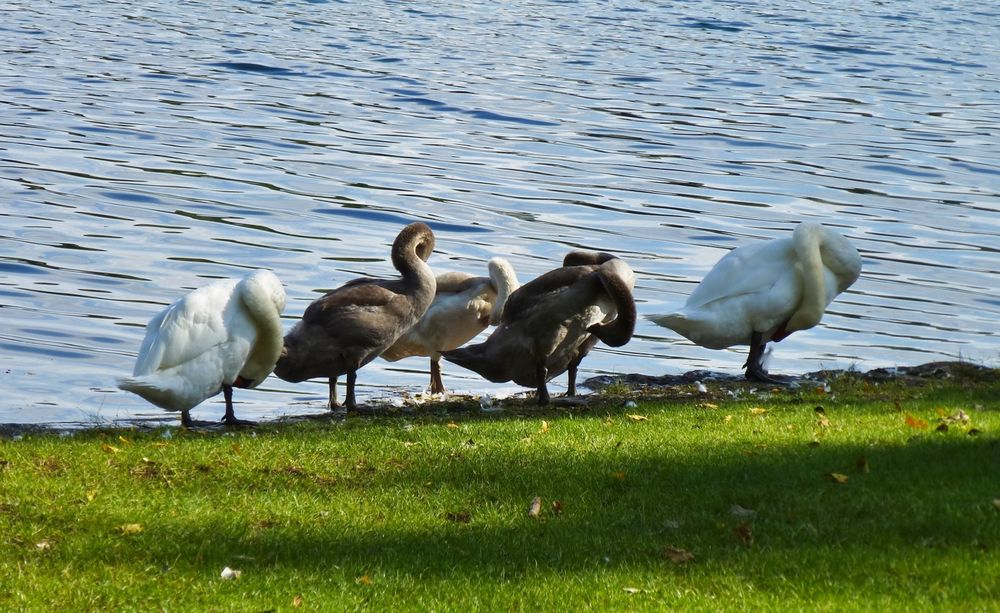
(451, 425)
(959, 416)
(707, 405)
(229, 574)
(677, 555)
(862, 464)
(46, 544)
(758, 411)
(744, 534)
(727, 419)
(124, 440)
(459, 517)
(109, 448)
(91, 495)
(739, 511)
(297, 601)
(823, 422)
(535, 509)
(363, 580)
(631, 590)
(619, 475)
(915, 422)
(544, 428)
(638, 417)
(130, 529)
(838, 478)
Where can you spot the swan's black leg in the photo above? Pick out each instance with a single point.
(543, 391)
(571, 373)
(230, 416)
(352, 378)
(754, 367)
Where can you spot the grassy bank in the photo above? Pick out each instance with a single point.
(866, 496)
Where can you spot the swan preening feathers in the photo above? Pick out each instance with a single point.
(228, 334)
(223, 335)
(765, 291)
(462, 308)
(550, 324)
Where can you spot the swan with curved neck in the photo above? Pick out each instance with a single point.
(550, 324)
(223, 335)
(463, 307)
(350, 326)
(766, 291)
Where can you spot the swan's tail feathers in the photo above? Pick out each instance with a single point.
(616, 278)
(675, 321)
(504, 281)
(153, 392)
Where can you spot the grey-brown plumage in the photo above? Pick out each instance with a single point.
(550, 324)
(351, 325)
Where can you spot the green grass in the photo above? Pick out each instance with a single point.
(429, 511)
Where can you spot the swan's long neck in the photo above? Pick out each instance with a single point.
(264, 299)
(410, 251)
(807, 240)
(618, 280)
(504, 281)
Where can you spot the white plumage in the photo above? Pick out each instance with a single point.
(222, 335)
(766, 291)
(463, 307)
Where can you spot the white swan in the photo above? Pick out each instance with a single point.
(766, 291)
(463, 306)
(219, 336)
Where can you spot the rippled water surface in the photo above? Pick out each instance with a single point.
(149, 147)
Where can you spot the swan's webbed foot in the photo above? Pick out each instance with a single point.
(187, 422)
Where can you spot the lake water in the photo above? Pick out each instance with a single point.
(147, 148)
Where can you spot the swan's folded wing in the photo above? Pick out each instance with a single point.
(182, 332)
(529, 295)
(746, 270)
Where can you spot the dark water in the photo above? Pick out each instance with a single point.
(148, 147)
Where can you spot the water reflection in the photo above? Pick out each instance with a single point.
(144, 151)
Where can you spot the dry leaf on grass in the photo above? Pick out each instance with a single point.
(638, 417)
(544, 428)
(109, 448)
(297, 601)
(758, 411)
(130, 529)
(744, 534)
(838, 478)
(363, 580)
(459, 517)
(535, 509)
(739, 511)
(678, 555)
(916, 423)
(862, 464)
